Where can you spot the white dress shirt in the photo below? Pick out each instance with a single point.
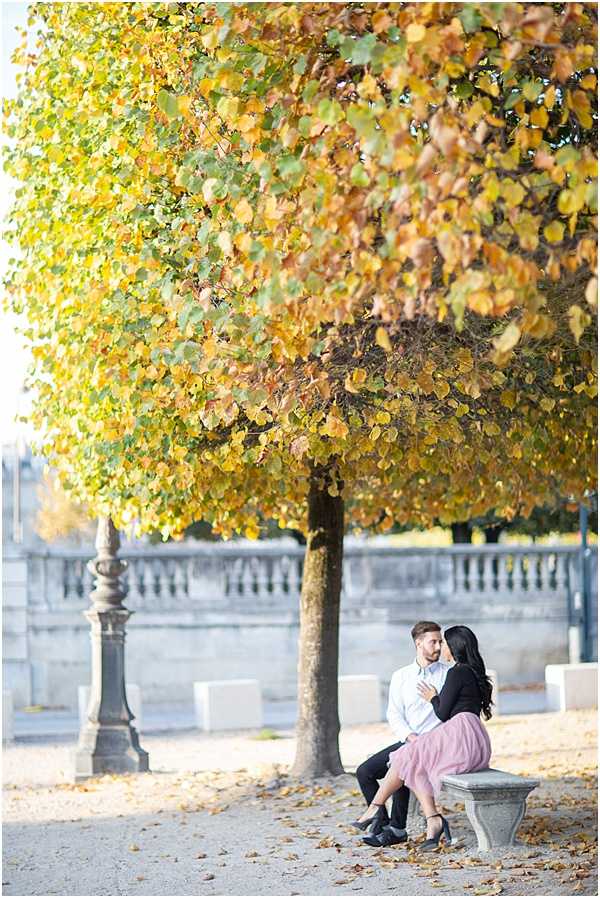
(407, 712)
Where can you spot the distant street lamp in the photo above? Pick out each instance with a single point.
(108, 743)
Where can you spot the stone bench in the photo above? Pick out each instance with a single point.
(359, 699)
(571, 686)
(228, 705)
(134, 700)
(494, 803)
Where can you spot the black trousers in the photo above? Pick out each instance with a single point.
(374, 769)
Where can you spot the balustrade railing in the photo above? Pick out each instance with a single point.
(254, 577)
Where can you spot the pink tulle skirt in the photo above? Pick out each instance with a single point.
(460, 745)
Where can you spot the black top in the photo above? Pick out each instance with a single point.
(460, 692)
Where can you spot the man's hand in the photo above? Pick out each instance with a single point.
(426, 692)
(412, 737)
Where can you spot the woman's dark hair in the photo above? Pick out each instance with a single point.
(462, 642)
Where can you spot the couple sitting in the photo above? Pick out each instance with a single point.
(434, 709)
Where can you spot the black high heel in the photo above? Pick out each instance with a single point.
(430, 844)
(365, 824)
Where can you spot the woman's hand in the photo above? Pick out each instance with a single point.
(426, 692)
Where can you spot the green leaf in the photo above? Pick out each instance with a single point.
(360, 51)
(358, 175)
(167, 103)
(300, 66)
(330, 112)
(290, 165)
(470, 18)
(512, 99)
(310, 90)
(361, 119)
(463, 90)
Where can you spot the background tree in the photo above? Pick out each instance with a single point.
(61, 517)
(297, 262)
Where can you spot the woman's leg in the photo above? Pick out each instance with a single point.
(387, 787)
(427, 802)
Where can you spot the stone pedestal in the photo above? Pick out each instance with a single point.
(571, 686)
(359, 699)
(8, 732)
(228, 705)
(494, 803)
(108, 743)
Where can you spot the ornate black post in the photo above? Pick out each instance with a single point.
(108, 743)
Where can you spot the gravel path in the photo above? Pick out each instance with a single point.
(219, 815)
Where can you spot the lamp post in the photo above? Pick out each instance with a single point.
(108, 743)
(584, 560)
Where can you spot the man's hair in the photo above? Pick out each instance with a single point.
(424, 626)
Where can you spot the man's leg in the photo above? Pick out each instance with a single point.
(399, 813)
(394, 831)
(369, 772)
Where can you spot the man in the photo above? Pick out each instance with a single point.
(409, 716)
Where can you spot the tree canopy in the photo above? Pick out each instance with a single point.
(256, 238)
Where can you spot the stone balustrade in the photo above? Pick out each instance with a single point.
(250, 578)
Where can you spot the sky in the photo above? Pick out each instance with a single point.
(13, 356)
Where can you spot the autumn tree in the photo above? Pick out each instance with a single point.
(311, 262)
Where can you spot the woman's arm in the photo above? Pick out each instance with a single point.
(445, 701)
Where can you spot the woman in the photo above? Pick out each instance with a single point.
(460, 745)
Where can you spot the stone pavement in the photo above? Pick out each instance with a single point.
(219, 815)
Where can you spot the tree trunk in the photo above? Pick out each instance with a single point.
(492, 534)
(317, 751)
(461, 532)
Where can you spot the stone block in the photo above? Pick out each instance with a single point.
(571, 686)
(494, 802)
(228, 705)
(8, 731)
(134, 700)
(359, 699)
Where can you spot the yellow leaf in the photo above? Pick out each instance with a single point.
(415, 33)
(334, 427)
(570, 201)
(224, 242)
(382, 339)
(512, 192)
(491, 429)
(554, 231)
(349, 385)
(243, 211)
(441, 389)
(539, 116)
(252, 531)
(578, 321)
(508, 339)
(183, 105)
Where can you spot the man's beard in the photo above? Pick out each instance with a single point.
(433, 656)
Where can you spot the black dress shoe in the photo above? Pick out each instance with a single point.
(385, 838)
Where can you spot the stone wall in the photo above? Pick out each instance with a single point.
(221, 632)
